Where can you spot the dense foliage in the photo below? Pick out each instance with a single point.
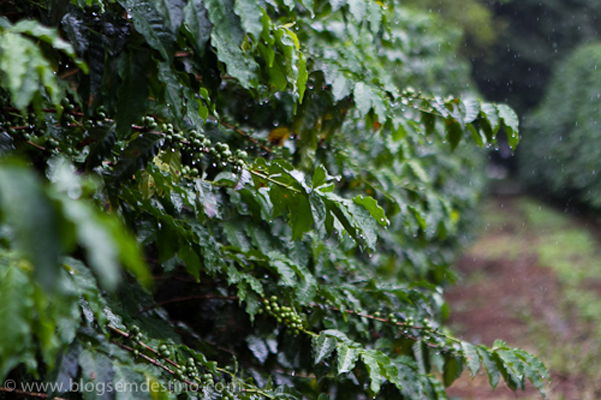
(283, 205)
(557, 155)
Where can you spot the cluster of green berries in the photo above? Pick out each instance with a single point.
(19, 127)
(29, 128)
(392, 318)
(67, 145)
(164, 351)
(193, 148)
(283, 314)
(197, 149)
(222, 154)
(190, 371)
(149, 122)
(16, 119)
(136, 335)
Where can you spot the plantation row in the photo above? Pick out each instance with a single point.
(261, 194)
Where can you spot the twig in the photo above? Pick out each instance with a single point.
(144, 129)
(248, 389)
(369, 316)
(403, 325)
(37, 146)
(69, 73)
(147, 358)
(245, 135)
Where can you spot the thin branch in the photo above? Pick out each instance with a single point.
(245, 135)
(248, 389)
(400, 324)
(69, 73)
(227, 125)
(373, 317)
(147, 358)
(37, 146)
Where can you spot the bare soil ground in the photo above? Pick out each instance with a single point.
(505, 293)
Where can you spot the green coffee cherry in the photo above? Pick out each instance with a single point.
(283, 314)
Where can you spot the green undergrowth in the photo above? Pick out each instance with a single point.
(565, 245)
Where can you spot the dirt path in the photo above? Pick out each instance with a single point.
(512, 289)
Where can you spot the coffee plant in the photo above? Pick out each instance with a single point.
(237, 199)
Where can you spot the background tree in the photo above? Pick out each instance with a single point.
(475, 18)
(532, 37)
(557, 156)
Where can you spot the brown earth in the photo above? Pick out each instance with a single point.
(498, 298)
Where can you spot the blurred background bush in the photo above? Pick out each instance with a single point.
(560, 153)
